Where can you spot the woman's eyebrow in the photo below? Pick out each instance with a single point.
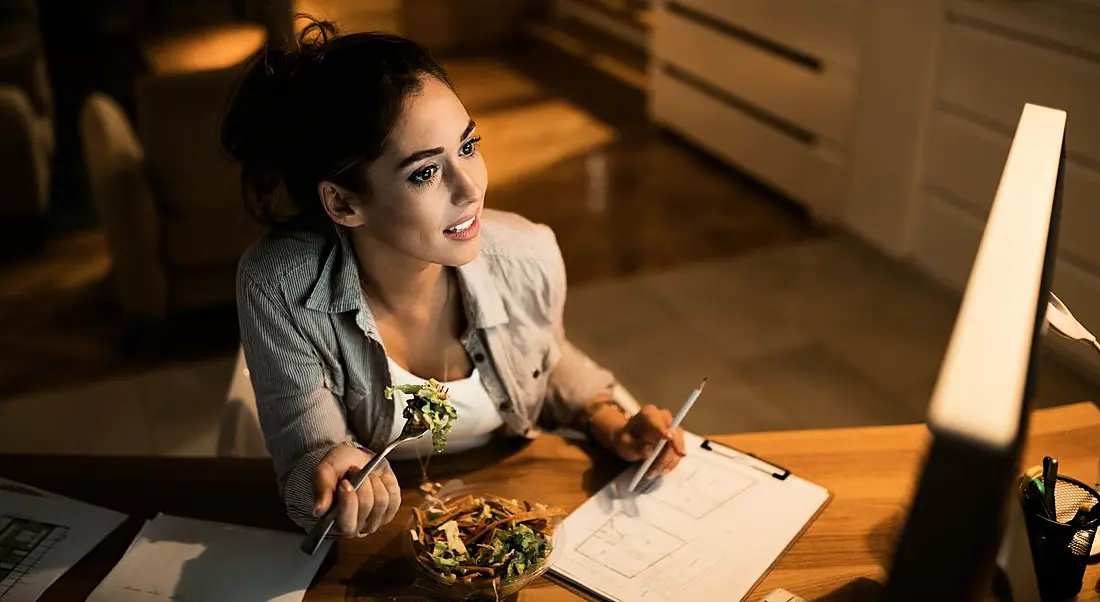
(431, 152)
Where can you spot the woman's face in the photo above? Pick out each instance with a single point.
(427, 189)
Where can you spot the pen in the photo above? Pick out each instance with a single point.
(660, 446)
(1050, 477)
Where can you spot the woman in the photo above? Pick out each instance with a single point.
(386, 266)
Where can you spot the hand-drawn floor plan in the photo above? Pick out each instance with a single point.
(705, 531)
(22, 544)
(629, 546)
(697, 489)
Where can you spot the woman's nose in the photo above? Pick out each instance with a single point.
(466, 190)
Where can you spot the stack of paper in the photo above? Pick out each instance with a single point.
(190, 560)
(42, 536)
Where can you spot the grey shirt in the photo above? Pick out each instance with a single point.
(318, 365)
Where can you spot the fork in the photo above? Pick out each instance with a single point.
(322, 527)
(1064, 323)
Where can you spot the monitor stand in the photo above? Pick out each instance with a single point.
(1016, 569)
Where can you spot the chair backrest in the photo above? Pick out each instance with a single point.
(198, 189)
(109, 142)
(114, 158)
(177, 122)
(25, 167)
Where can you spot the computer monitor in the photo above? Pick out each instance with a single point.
(965, 503)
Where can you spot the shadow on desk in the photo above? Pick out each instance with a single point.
(883, 537)
(384, 578)
(206, 572)
(605, 465)
(860, 590)
(390, 576)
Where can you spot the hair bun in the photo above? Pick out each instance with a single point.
(266, 99)
(284, 65)
(315, 35)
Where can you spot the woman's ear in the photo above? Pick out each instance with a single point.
(342, 205)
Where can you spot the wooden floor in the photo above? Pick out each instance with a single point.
(565, 144)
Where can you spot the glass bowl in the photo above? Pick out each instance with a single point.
(481, 589)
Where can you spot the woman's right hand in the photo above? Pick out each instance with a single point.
(361, 512)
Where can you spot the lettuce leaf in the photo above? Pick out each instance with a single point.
(429, 407)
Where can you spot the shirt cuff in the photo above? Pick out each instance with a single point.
(299, 495)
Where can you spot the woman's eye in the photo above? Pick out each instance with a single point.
(424, 175)
(470, 147)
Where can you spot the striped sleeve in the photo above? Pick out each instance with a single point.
(576, 380)
(300, 417)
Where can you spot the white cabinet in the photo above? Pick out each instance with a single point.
(893, 118)
(994, 57)
(767, 85)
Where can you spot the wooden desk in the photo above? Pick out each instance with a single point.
(869, 470)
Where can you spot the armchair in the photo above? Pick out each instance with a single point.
(26, 143)
(167, 197)
(26, 125)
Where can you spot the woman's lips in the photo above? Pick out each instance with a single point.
(465, 229)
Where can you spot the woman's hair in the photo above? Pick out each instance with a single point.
(320, 111)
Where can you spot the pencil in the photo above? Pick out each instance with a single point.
(638, 476)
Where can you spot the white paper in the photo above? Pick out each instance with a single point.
(17, 487)
(186, 560)
(707, 531)
(44, 535)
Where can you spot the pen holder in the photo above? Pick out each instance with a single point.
(1060, 550)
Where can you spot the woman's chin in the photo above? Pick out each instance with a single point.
(462, 253)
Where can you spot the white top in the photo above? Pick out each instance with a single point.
(478, 416)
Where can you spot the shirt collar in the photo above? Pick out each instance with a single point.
(480, 296)
(337, 288)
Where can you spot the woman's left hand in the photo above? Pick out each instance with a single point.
(638, 437)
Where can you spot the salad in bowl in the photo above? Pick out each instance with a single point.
(476, 545)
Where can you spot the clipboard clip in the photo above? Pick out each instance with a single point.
(776, 471)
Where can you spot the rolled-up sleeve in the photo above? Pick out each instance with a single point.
(300, 417)
(575, 380)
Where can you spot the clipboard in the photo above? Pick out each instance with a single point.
(710, 530)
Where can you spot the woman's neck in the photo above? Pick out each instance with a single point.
(397, 284)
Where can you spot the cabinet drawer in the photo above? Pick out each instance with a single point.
(798, 169)
(827, 30)
(966, 160)
(819, 102)
(1070, 23)
(946, 240)
(993, 77)
(946, 243)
